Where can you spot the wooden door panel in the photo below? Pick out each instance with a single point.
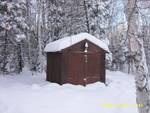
(84, 68)
(93, 68)
(76, 68)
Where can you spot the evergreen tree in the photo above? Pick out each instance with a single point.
(12, 25)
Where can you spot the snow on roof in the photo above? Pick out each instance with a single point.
(63, 43)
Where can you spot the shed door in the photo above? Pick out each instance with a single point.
(84, 68)
(76, 68)
(93, 67)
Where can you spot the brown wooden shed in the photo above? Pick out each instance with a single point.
(79, 59)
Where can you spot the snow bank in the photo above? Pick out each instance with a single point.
(32, 94)
(63, 43)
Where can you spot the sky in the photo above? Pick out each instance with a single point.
(119, 12)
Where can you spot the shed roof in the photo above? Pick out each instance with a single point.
(63, 43)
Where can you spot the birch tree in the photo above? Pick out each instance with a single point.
(39, 34)
(144, 9)
(138, 57)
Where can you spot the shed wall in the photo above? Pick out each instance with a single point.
(54, 67)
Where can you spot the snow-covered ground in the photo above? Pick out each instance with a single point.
(32, 94)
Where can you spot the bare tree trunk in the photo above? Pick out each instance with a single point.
(39, 25)
(87, 19)
(138, 57)
(20, 62)
(27, 32)
(4, 54)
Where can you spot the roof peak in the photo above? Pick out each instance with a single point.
(65, 42)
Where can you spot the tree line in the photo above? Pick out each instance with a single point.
(26, 26)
